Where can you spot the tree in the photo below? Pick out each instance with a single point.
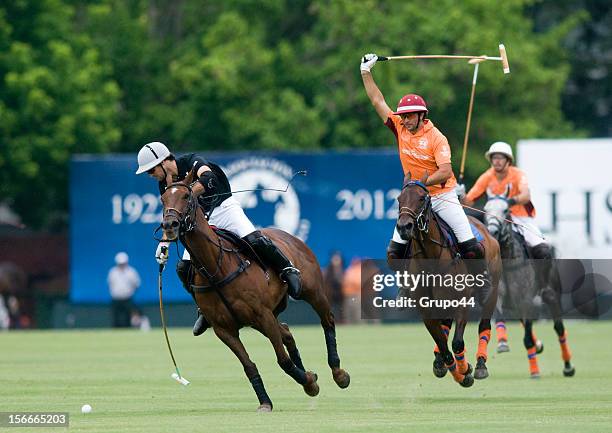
(58, 98)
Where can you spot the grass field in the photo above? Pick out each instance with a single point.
(125, 376)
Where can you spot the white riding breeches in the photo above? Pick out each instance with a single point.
(530, 231)
(450, 210)
(229, 215)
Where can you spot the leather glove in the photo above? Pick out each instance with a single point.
(367, 62)
(161, 254)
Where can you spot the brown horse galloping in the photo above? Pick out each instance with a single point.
(232, 292)
(416, 224)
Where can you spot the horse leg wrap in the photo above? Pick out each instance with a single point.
(333, 360)
(454, 370)
(566, 353)
(294, 354)
(483, 342)
(260, 390)
(500, 329)
(292, 370)
(445, 331)
(533, 361)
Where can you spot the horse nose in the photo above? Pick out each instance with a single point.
(167, 225)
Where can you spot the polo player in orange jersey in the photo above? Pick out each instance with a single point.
(423, 149)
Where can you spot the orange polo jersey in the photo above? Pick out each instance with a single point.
(424, 151)
(515, 178)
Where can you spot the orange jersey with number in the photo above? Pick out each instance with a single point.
(422, 152)
(517, 181)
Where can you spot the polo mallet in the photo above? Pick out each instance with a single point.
(502, 58)
(177, 375)
(475, 62)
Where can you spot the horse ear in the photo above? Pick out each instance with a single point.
(490, 193)
(407, 177)
(190, 177)
(425, 176)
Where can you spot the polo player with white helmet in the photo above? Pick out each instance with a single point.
(504, 177)
(214, 196)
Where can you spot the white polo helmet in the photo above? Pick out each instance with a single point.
(151, 155)
(500, 147)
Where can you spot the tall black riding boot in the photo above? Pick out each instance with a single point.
(473, 253)
(275, 258)
(182, 270)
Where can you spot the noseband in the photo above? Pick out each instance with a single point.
(421, 218)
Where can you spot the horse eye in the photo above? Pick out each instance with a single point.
(186, 196)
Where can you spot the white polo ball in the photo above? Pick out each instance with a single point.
(86, 408)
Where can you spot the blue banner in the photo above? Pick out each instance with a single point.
(347, 202)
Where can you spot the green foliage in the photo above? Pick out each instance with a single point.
(110, 75)
(58, 98)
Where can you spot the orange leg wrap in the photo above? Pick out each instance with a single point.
(533, 361)
(454, 370)
(566, 353)
(500, 329)
(462, 364)
(483, 342)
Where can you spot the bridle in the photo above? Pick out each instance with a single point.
(494, 221)
(186, 219)
(187, 222)
(422, 217)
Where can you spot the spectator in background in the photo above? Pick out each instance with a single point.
(123, 280)
(332, 280)
(351, 292)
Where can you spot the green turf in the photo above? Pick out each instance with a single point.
(125, 376)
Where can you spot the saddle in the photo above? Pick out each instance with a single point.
(242, 246)
(449, 235)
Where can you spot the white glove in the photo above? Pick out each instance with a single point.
(161, 254)
(368, 61)
(460, 190)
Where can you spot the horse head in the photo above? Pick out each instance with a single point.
(497, 213)
(179, 208)
(414, 203)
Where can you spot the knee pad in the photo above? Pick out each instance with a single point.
(183, 268)
(542, 251)
(395, 253)
(471, 249)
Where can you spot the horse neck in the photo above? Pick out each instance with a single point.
(201, 241)
(511, 247)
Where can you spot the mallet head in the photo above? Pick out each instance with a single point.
(504, 58)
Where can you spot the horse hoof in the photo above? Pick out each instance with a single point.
(503, 347)
(439, 369)
(467, 381)
(539, 347)
(569, 372)
(266, 407)
(535, 375)
(481, 371)
(311, 388)
(342, 379)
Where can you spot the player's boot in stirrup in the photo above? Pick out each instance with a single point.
(291, 276)
(200, 325)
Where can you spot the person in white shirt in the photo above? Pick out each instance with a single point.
(123, 280)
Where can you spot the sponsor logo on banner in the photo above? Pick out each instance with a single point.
(268, 208)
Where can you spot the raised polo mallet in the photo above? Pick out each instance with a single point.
(474, 62)
(502, 58)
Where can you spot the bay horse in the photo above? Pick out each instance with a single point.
(524, 278)
(232, 292)
(417, 225)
